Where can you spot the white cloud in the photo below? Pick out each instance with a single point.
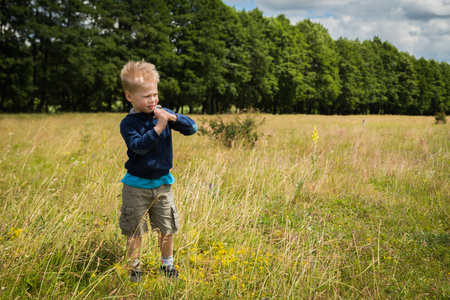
(420, 27)
(425, 9)
(299, 5)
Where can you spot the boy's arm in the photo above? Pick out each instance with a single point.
(181, 123)
(184, 125)
(135, 141)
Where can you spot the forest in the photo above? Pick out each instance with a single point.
(66, 56)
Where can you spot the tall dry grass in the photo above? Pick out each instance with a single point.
(362, 213)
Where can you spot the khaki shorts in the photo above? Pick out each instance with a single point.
(155, 203)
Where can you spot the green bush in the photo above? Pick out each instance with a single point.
(232, 132)
(440, 117)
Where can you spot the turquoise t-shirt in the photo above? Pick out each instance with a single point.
(144, 183)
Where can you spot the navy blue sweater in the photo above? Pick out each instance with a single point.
(150, 155)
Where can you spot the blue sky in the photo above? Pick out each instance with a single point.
(419, 27)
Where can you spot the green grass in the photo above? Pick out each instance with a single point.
(362, 213)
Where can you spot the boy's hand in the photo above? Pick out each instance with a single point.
(162, 116)
(159, 112)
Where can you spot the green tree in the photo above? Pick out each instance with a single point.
(322, 76)
(263, 83)
(388, 54)
(374, 84)
(425, 93)
(288, 50)
(110, 48)
(407, 88)
(199, 37)
(351, 73)
(237, 61)
(438, 90)
(445, 72)
(15, 58)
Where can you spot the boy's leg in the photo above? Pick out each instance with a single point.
(166, 244)
(133, 253)
(135, 203)
(164, 218)
(134, 247)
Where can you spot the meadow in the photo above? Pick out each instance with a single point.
(322, 207)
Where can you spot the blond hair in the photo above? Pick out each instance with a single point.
(134, 73)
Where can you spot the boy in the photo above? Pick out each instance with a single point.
(147, 183)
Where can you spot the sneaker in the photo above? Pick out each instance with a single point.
(170, 271)
(136, 275)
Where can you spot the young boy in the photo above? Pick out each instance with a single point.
(147, 183)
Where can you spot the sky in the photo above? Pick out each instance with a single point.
(419, 27)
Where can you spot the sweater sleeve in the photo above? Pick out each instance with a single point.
(184, 125)
(135, 141)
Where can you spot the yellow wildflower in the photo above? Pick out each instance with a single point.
(315, 135)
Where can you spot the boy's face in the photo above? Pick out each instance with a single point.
(145, 98)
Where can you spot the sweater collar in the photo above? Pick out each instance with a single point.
(133, 112)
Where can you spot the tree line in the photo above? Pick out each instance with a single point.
(66, 55)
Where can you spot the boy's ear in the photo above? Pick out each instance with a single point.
(128, 96)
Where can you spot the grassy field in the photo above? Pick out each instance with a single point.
(354, 211)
